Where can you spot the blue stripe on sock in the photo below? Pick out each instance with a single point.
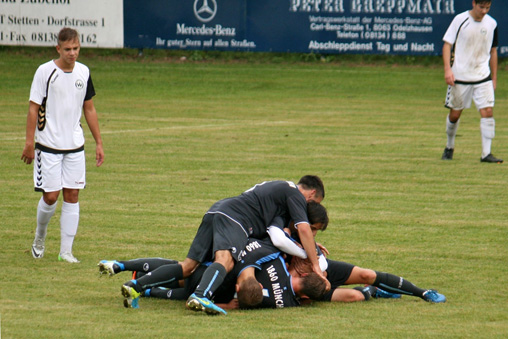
(396, 290)
(211, 283)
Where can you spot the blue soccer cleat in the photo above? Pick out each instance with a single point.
(131, 297)
(198, 304)
(433, 297)
(384, 294)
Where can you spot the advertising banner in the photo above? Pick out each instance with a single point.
(413, 27)
(37, 22)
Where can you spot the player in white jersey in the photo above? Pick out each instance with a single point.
(470, 66)
(61, 90)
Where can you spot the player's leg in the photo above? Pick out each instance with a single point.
(47, 179)
(368, 277)
(212, 279)
(229, 238)
(144, 265)
(457, 98)
(396, 284)
(69, 222)
(484, 100)
(73, 180)
(164, 275)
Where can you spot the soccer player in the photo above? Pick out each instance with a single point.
(61, 90)
(470, 70)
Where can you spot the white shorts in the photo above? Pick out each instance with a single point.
(52, 172)
(459, 97)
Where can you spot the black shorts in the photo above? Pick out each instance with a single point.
(217, 232)
(338, 272)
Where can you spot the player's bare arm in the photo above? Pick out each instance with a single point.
(447, 55)
(93, 124)
(493, 66)
(31, 121)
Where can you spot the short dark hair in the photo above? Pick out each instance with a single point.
(250, 293)
(482, 1)
(317, 214)
(313, 286)
(67, 34)
(310, 182)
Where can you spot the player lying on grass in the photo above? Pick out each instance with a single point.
(260, 278)
(382, 284)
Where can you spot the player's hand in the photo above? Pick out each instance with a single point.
(323, 249)
(99, 155)
(449, 77)
(28, 154)
(318, 271)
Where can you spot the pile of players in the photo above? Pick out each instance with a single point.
(258, 250)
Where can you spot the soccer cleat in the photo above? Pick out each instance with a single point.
(198, 304)
(384, 294)
(492, 159)
(38, 248)
(68, 257)
(433, 297)
(131, 297)
(447, 154)
(106, 267)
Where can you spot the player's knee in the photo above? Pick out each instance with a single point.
(188, 266)
(354, 295)
(225, 259)
(367, 276)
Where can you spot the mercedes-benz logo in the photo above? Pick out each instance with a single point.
(203, 11)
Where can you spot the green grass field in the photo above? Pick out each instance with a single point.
(180, 135)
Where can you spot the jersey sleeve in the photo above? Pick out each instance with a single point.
(297, 207)
(451, 33)
(38, 89)
(495, 42)
(90, 90)
(282, 241)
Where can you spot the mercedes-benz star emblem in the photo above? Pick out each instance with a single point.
(205, 10)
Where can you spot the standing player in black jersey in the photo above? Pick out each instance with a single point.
(225, 230)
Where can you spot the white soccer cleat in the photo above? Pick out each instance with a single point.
(38, 248)
(68, 257)
(106, 267)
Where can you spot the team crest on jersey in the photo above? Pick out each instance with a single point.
(146, 267)
(483, 31)
(79, 84)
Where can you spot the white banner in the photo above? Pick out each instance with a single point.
(37, 22)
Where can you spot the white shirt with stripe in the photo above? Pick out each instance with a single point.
(472, 41)
(64, 105)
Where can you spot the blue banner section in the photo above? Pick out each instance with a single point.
(413, 27)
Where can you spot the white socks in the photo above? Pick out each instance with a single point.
(68, 226)
(451, 132)
(487, 129)
(44, 214)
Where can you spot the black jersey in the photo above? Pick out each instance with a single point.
(277, 287)
(255, 254)
(258, 206)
